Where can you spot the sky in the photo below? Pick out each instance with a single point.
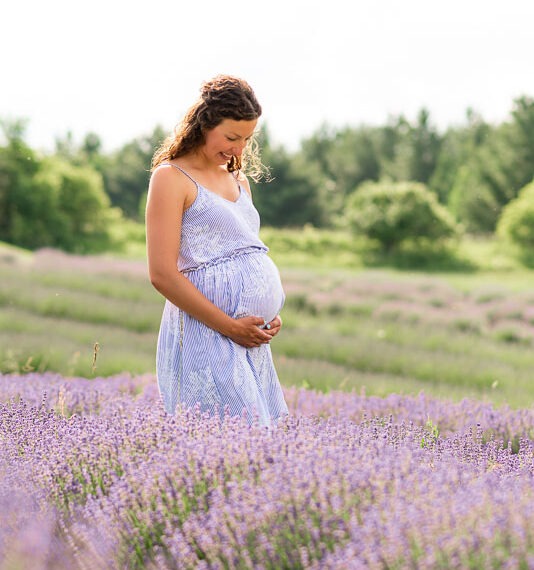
(120, 68)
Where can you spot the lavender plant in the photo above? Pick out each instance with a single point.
(94, 474)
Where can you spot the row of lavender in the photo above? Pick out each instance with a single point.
(95, 475)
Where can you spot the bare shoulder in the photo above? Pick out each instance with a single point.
(243, 181)
(169, 183)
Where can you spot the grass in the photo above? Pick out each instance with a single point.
(450, 334)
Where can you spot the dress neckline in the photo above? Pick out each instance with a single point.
(222, 197)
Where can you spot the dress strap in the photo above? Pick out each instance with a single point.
(181, 170)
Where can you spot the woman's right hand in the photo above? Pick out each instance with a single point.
(247, 332)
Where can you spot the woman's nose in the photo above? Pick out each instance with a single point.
(238, 148)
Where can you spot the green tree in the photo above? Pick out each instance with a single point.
(413, 149)
(83, 208)
(126, 173)
(342, 160)
(398, 151)
(292, 194)
(50, 201)
(18, 165)
(394, 213)
(517, 220)
(458, 147)
(522, 141)
(498, 162)
(472, 200)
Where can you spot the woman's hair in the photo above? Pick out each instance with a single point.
(224, 97)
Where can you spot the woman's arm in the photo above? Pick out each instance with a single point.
(168, 194)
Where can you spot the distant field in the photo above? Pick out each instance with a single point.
(449, 333)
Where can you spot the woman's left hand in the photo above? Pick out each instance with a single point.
(273, 327)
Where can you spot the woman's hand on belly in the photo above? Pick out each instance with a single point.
(273, 327)
(246, 331)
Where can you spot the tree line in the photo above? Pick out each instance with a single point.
(471, 172)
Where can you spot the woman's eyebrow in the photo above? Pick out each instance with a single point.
(240, 136)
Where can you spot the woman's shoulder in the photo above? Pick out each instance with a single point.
(170, 178)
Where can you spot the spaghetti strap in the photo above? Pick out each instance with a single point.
(198, 185)
(181, 170)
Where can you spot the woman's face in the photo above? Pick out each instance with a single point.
(228, 139)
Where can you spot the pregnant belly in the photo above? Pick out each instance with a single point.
(261, 294)
(246, 285)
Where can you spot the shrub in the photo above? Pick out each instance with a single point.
(392, 213)
(516, 223)
(83, 215)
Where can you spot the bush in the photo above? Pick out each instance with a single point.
(516, 223)
(394, 213)
(51, 201)
(82, 211)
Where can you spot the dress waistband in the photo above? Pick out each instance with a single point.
(219, 260)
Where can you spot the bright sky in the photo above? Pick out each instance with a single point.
(119, 68)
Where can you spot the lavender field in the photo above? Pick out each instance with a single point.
(409, 442)
(94, 475)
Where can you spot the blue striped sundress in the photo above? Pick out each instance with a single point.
(222, 255)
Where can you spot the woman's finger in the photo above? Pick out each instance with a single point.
(275, 323)
(273, 327)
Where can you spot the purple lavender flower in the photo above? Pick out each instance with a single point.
(94, 474)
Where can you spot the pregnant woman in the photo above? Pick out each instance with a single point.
(223, 293)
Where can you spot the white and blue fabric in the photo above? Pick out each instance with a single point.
(222, 255)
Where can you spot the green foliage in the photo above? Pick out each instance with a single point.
(126, 173)
(458, 146)
(517, 220)
(293, 195)
(399, 151)
(432, 434)
(346, 158)
(522, 140)
(472, 201)
(51, 201)
(82, 208)
(494, 164)
(394, 213)
(18, 165)
(475, 169)
(415, 149)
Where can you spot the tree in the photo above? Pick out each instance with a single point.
(342, 160)
(522, 140)
(458, 147)
(126, 173)
(472, 200)
(82, 212)
(413, 149)
(516, 223)
(292, 196)
(18, 165)
(393, 213)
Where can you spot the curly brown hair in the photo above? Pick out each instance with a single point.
(223, 97)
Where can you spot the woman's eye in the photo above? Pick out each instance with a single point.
(231, 139)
